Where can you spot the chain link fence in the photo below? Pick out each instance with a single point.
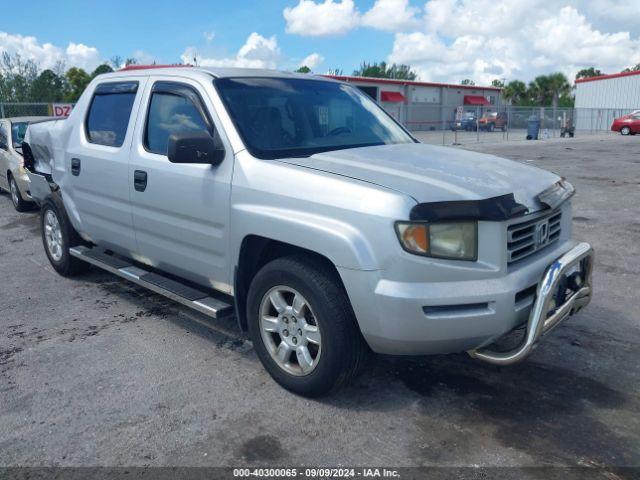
(8, 110)
(440, 124)
(476, 124)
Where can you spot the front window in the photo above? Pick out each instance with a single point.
(18, 131)
(284, 117)
(174, 108)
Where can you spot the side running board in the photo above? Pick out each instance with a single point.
(190, 297)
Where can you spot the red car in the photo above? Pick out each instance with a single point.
(493, 121)
(628, 124)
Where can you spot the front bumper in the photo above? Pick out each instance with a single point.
(543, 317)
(422, 318)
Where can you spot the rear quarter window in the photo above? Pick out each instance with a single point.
(108, 116)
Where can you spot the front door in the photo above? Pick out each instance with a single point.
(180, 211)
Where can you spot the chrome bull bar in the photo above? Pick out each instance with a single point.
(540, 321)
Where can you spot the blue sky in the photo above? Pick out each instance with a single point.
(443, 40)
(162, 29)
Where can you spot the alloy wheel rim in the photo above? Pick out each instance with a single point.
(290, 331)
(14, 192)
(53, 235)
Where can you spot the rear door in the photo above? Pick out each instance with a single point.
(97, 165)
(181, 211)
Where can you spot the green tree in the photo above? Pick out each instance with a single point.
(100, 69)
(17, 77)
(632, 69)
(588, 73)
(516, 92)
(303, 69)
(548, 89)
(467, 81)
(48, 87)
(382, 70)
(497, 83)
(78, 80)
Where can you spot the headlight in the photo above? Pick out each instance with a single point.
(452, 240)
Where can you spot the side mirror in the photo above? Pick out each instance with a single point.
(195, 147)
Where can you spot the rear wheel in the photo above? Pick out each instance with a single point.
(625, 130)
(19, 203)
(58, 236)
(302, 326)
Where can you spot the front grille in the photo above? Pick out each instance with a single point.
(526, 238)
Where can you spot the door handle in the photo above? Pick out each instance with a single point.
(140, 180)
(75, 167)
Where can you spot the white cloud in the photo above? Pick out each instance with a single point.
(47, 55)
(143, 58)
(484, 40)
(257, 52)
(391, 15)
(312, 61)
(209, 36)
(614, 14)
(321, 19)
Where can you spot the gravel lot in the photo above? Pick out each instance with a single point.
(95, 371)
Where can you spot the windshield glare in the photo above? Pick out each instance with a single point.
(284, 117)
(18, 131)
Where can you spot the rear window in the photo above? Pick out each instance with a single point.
(109, 113)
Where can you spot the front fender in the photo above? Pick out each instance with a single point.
(339, 241)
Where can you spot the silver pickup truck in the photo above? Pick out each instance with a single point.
(298, 205)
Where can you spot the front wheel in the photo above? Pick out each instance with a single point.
(302, 326)
(58, 236)
(625, 130)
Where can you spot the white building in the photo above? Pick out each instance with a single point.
(601, 99)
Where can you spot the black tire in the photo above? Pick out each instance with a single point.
(343, 350)
(20, 204)
(625, 131)
(65, 265)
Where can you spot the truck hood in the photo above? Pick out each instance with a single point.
(431, 173)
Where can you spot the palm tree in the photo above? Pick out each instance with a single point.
(558, 86)
(549, 88)
(515, 91)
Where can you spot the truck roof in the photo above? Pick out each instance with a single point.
(223, 72)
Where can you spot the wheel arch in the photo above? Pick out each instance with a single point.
(255, 252)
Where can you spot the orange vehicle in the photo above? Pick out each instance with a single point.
(493, 121)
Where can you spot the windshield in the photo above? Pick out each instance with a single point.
(285, 117)
(18, 130)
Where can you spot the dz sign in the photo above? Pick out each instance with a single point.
(61, 109)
